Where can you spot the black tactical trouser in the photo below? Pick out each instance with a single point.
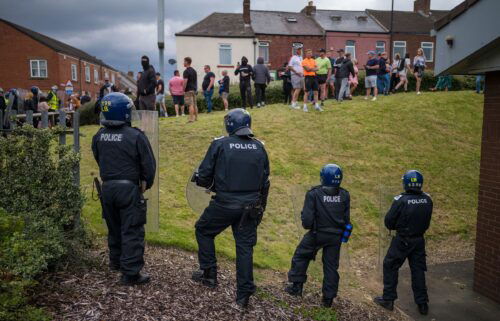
(246, 93)
(124, 210)
(306, 251)
(213, 221)
(260, 93)
(400, 249)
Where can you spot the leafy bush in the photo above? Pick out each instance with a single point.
(87, 114)
(39, 211)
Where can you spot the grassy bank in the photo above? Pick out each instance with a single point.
(374, 142)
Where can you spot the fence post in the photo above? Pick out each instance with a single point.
(29, 117)
(13, 119)
(62, 123)
(76, 143)
(1, 120)
(45, 119)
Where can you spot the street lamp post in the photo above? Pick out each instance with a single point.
(391, 32)
(161, 35)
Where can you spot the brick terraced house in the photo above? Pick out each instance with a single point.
(28, 58)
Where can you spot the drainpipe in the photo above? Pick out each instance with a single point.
(254, 52)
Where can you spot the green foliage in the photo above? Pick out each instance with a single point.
(319, 314)
(87, 114)
(40, 207)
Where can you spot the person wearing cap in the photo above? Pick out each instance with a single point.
(52, 100)
(311, 80)
(338, 63)
(297, 75)
(324, 73)
(371, 68)
(236, 168)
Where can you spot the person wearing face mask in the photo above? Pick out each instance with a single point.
(246, 74)
(147, 85)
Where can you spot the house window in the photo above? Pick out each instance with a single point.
(428, 48)
(38, 68)
(225, 54)
(295, 46)
(106, 75)
(87, 73)
(264, 51)
(350, 46)
(96, 76)
(399, 48)
(74, 74)
(380, 47)
(113, 78)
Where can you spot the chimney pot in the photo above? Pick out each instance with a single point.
(422, 6)
(246, 12)
(310, 10)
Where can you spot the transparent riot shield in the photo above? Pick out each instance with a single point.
(386, 197)
(147, 121)
(298, 194)
(197, 197)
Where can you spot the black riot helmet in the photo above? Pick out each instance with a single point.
(238, 122)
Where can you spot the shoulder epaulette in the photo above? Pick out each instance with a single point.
(397, 197)
(138, 129)
(220, 137)
(263, 144)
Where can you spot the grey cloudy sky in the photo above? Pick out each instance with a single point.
(121, 31)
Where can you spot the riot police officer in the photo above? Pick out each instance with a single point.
(410, 216)
(127, 167)
(236, 168)
(326, 214)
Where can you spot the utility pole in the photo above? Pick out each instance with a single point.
(391, 32)
(161, 35)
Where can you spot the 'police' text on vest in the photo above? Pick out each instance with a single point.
(417, 201)
(331, 199)
(111, 137)
(242, 146)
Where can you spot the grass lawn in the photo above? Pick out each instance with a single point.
(374, 142)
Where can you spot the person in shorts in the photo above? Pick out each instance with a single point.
(160, 95)
(190, 86)
(311, 80)
(331, 80)
(371, 67)
(324, 73)
(224, 89)
(297, 75)
(176, 88)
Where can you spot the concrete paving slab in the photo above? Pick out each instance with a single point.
(450, 295)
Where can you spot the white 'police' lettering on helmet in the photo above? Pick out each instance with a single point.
(331, 199)
(418, 201)
(242, 146)
(111, 137)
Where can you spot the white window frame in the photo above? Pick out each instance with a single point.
(226, 47)
(265, 45)
(428, 45)
(74, 73)
(38, 68)
(113, 79)
(348, 47)
(96, 76)
(87, 74)
(399, 42)
(377, 46)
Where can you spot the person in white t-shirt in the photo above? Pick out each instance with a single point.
(297, 73)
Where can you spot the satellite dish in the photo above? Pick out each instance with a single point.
(172, 61)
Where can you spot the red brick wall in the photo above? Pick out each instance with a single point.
(16, 50)
(413, 42)
(487, 258)
(364, 42)
(280, 47)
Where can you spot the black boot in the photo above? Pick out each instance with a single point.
(294, 289)
(386, 304)
(114, 267)
(134, 279)
(327, 302)
(206, 277)
(423, 308)
(243, 302)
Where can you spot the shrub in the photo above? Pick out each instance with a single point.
(39, 211)
(87, 114)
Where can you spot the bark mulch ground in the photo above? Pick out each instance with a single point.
(92, 293)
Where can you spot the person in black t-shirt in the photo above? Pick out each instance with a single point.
(208, 87)
(190, 86)
(160, 95)
(224, 89)
(383, 76)
(246, 74)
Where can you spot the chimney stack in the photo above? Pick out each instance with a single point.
(246, 13)
(310, 10)
(422, 6)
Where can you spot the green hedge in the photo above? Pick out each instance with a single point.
(39, 208)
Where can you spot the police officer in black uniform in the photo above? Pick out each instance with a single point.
(326, 214)
(127, 167)
(410, 216)
(236, 168)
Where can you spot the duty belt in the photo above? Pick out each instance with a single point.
(121, 181)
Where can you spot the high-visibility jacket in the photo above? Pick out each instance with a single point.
(53, 101)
